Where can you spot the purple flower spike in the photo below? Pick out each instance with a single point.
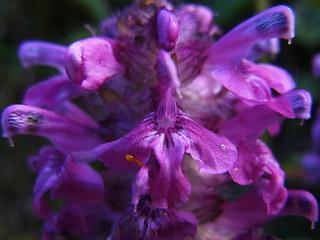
(91, 61)
(71, 136)
(167, 29)
(42, 53)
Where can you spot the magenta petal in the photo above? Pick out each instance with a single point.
(249, 124)
(72, 137)
(137, 143)
(282, 106)
(91, 61)
(79, 184)
(227, 64)
(301, 203)
(242, 83)
(273, 22)
(272, 186)
(252, 158)
(141, 186)
(214, 153)
(42, 53)
(51, 92)
(170, 187)
(276, 78)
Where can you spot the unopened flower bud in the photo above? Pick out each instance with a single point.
(167, 29)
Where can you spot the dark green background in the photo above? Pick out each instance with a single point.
(63, 22)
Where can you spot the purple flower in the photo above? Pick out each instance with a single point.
(169, 134)
(172, 111)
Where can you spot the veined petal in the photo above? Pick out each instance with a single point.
(226, 62)
(170, 187)
(138, 144)
(301, 203)
(72, 137)
(214, 153)
(273, 22)
(51, 92)
(301, 102)
(91, 61)
(42, 53)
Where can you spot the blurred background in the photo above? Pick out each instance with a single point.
(62, 22)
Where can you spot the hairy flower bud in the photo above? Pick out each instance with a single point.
(167, 29)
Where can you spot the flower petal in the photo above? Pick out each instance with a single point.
(52, 160)
(226, 62)
(91, 61)
(51, 92)
(42, 53)
(170, 187)
(249, 123)
(252, 158)
(72, 137)
(273, 22)
(78, 184)
(301, 203)
(137, 143)
(214, 153)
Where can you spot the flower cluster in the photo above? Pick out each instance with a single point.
(175, 112)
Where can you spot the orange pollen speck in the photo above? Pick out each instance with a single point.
(130, 158)
(147, 2)
(174, 58)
